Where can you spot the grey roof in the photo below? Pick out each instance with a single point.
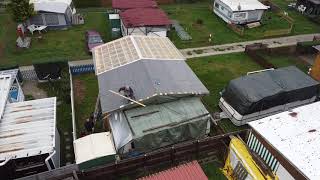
(148, 79)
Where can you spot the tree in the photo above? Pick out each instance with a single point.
(21, 10)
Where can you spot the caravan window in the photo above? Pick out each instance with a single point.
(37, 20)
(51, 19)
(241, 15)
(216, 5)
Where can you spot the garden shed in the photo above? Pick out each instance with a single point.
(262, 94)
(30, 142)
(56, 14)
(94, 150)
(239, 11)
(159, 77)
(292, 139)
(144, 21)
(122, 5)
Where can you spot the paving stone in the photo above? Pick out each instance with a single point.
(68, 147)
(66, 133)
(67, 139)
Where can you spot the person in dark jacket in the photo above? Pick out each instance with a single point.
(127, 92)
(89, 126)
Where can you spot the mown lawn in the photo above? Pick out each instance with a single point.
(189, 14)
(215, 72)
(302, 25)
(56, 45)
(61, 90)
(286, 60)
(213, 172)
(85, 95)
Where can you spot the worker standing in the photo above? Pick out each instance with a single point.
(127, 92)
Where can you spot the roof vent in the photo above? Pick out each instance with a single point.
(239, 7)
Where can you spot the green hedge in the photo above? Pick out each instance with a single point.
(87, 3)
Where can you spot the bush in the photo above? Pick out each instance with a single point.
(87, 3)
(199, 21)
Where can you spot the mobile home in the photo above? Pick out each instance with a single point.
(239, 11)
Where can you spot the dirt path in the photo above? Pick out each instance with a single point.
(31, 88)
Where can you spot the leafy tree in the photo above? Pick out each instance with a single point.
(21, 10)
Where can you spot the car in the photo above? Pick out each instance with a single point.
(93, 39)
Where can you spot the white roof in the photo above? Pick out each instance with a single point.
(93, 146)
(56, 6)
(28, 128)
(244, 5)
(5, 84)
(296, 135)
(133, 48)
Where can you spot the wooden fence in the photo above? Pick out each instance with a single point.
(252, 52)
(278, 32)
(237, 29)
(215, 147)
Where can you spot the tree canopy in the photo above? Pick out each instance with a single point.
(20, 10)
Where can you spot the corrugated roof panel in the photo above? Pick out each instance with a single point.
(5, 84)
(148, 79)
(144, 17)
(295, 134)
(28, 128)
(129, 49)
(188, 171)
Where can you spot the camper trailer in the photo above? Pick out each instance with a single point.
(239, 11)
(265, 93)
(55, 14)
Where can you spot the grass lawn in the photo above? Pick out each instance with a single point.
(213, 172)
(188, 14)
(56, 45)
(286, 60)
(302, 24)
(215, 72)
(85, 94)
(61, 90)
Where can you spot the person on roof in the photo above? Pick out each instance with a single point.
(127, 92)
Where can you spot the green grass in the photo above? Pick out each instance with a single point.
(57, 45)
(188, 14)
(61, 90)
(216, 71)
(85, 94)
(213, 172)
(286, 60)
(302, 24)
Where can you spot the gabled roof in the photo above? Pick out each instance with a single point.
(56, 6)
(28, 128)
(129, 49)
(187, 171)
(141, 17)
(130, 4)
(5, 84)
(244, 5)
(148, 79)
(295, 134)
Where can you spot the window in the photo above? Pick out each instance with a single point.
(241, 15)
(222, 8)
(51, 19)
(216, 5)
(37, 20)
(229, 14)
